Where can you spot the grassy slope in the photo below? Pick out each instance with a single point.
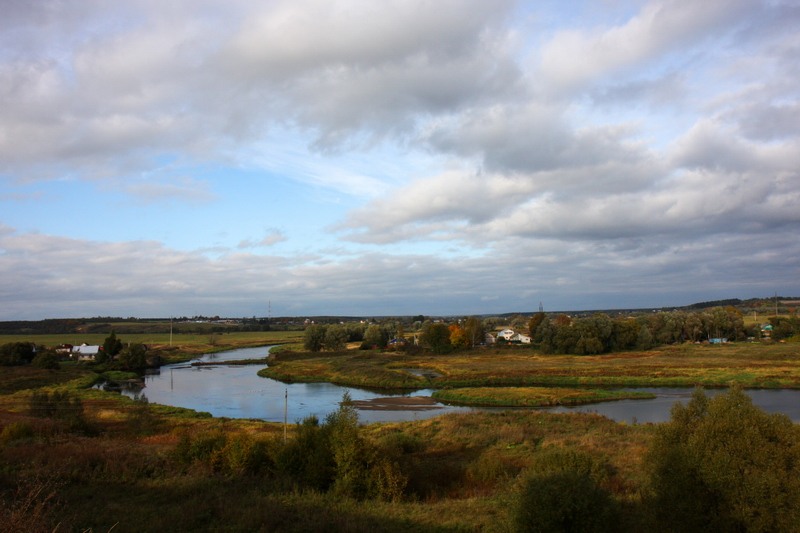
(463, 469)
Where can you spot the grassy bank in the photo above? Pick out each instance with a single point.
(531, 396)
(750, 365)
(353, 368)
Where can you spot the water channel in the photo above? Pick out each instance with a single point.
(238, 392)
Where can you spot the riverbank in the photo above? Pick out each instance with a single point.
(753, 365)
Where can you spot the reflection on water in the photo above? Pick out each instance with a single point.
(237, 392)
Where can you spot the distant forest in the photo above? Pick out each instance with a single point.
(204, 324)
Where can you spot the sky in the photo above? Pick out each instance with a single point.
(401, 157)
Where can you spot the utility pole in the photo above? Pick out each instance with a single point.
(285, 412)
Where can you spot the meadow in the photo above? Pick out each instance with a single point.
(104, 462)
(752, 365)
(178, 346)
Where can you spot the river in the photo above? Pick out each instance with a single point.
(238, 392)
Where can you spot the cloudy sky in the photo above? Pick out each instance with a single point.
(395, 157)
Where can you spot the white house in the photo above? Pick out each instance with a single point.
(506, 334)
(519, 337)
(84, 352)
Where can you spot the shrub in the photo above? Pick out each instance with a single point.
(17, 353)
(47, 360)
(307, 459)
(60, 405)
(141, 419)
(563, 493)
(243, 454)
(725, 465)
(351, 455)
(564, 501)
(16, 431)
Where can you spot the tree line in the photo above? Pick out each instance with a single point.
(112, 355)
(556, 334)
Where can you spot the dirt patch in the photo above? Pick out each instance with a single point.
(397, 403)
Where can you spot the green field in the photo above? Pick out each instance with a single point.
(178, 346)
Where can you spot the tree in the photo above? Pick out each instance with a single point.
(314, 337)
(111, 347)
(725, 465)
(457, 337)
(435, 337)
(534, 322)
(693, 327)
(17, 353)
(134, 357)
(307, 459)
(545, 336)
(625, 334)
(644, 341)
(351, 455)
(335, 338)
(376, 336)
(474, 331)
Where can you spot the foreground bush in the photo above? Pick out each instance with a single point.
(725, 465)
(563, 493)
(59, 405)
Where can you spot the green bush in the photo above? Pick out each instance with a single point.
(307, 460)
(17, 353)
(47, 360)
(564, 501)
(563, 492)
(725, 465)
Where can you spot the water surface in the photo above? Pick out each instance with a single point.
(238, 392)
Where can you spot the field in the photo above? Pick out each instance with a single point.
(175, 347)
(753, 365)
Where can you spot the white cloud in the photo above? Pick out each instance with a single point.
(271, 237)
(626, 153)
(574, 57)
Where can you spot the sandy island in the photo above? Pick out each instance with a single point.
(397, 403)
